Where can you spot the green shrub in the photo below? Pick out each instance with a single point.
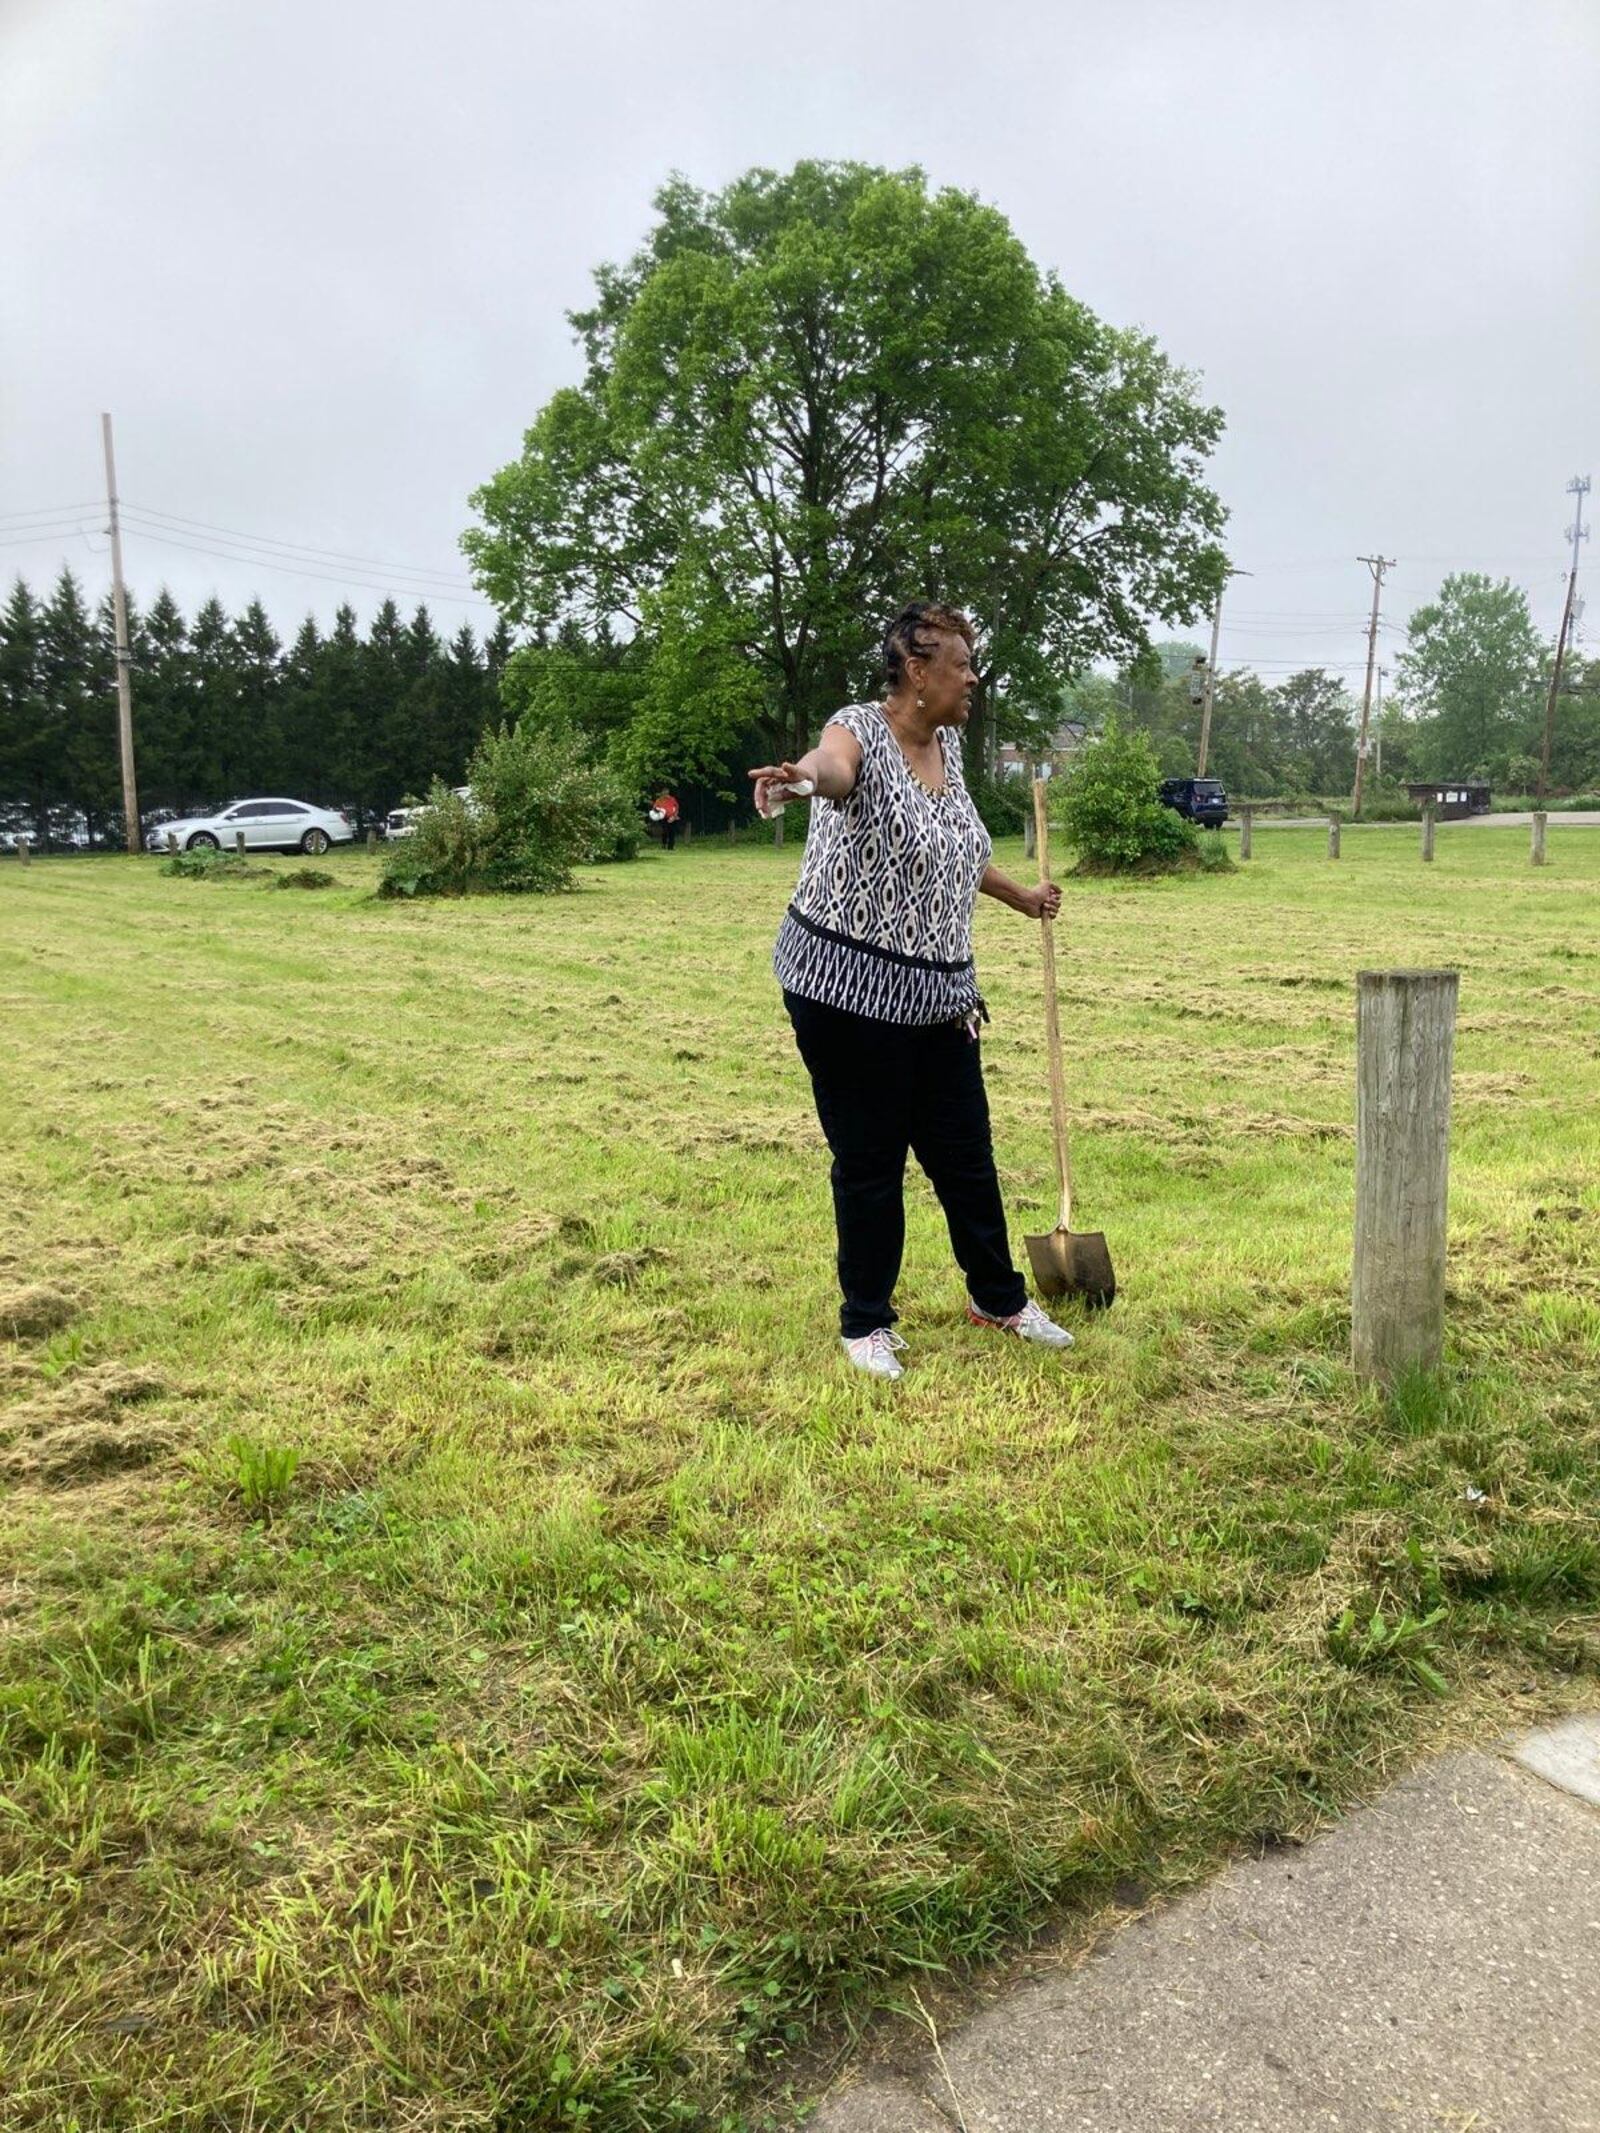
(1111, 808)
(206, 863)
(538, 806)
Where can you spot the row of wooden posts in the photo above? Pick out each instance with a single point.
(1536, 852)
(1247, 823)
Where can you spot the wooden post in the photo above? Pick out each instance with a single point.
(1030, 836)
(22, 849)
(1427, 830)
(1333, 836)
(1405, 1046)
(238, 842)
(372, 840)
(1540, 819)
(172, 840)
(733, 833)
(1247, 818)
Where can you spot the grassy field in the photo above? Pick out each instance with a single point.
(618, 1695)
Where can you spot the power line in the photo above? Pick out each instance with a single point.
(54, 512)
(290, 569)
(325, 555)
(44, 534)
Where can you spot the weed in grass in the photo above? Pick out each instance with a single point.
(262, 1474)
(1402, 1642)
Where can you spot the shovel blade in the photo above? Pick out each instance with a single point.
(1067, 1264)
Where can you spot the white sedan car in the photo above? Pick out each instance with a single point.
(402, 821)
(268, 826)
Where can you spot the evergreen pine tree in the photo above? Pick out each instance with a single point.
(390, 763)
(73, 677)
(219, 754)
(420, 725)
(340, 706)
(257, 653)
(467, 710)
(24, 735)
(305, 741)
(167, 730)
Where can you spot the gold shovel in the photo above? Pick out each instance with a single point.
(1063, 1264)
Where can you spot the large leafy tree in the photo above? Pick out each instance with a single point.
(1470, 674)
(813, 396)
(1314, 713)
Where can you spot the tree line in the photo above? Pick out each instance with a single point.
(223, 707)
(1467, 699)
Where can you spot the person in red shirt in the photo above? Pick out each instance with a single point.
(664, 809)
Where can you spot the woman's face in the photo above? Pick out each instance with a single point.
(946, 681)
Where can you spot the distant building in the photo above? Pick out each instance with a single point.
(1014, 761)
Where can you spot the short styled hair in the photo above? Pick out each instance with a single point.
(914, 634)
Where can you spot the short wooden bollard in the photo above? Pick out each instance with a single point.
(1427, 833)
(1333, 836)
(372, 840)
(22, 850)
(238, 842)
(1405, 1049)
(1247, 820)
(172, 840)
(1540, 819)
(1030, 837)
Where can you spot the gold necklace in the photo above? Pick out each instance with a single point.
(934, 792)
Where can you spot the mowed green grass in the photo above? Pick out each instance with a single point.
(620, 1694)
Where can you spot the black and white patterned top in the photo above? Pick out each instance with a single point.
(881, 922)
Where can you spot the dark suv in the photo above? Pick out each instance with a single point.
(1201, 799)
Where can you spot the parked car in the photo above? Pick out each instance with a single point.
(268, 826)
(1201, 800)
(401, 821)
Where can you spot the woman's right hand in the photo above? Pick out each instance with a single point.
(776, 783)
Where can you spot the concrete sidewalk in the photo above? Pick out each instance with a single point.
(1430, 1966)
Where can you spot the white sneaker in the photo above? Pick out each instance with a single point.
(874, 1353)
(1030, 1324)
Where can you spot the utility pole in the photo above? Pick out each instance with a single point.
(1576, 532)
(119, 608)
(1377, 564)
(1377, 715)
(1211, 672)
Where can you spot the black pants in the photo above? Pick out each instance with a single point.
(883, 1090)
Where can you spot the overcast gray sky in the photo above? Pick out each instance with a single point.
(316, 256)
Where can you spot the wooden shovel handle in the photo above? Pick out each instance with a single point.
(1052, 1017)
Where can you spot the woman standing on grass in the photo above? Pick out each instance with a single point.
(875, 961)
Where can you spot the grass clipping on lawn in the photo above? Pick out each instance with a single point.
(473, 1656)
